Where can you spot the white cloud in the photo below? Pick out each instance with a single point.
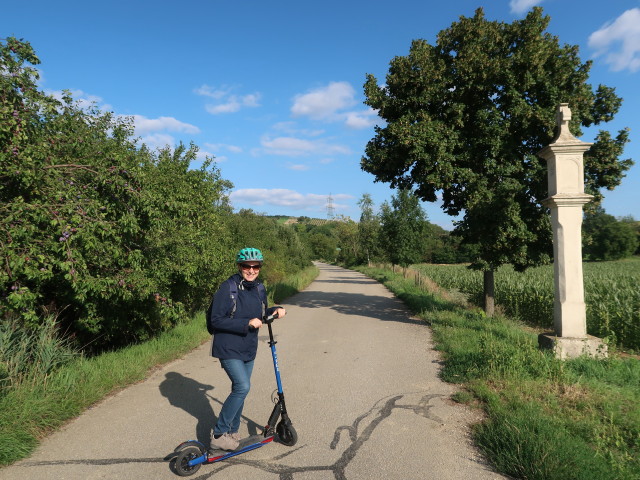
(230, 102)
(83, 100)
(286, 198)
(208, 91)
(623, 33)
(251, 100)
(298, 167)
(294, 147)
(521, 6)
(203, 154)
(231, 106)
(323, 103)
(234, 103)
(224, 146)
(328, 104)
(146, 125)
(290, 128)
(364, 119)
(158, 140)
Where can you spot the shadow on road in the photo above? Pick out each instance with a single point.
(373, 306)
(191, 396)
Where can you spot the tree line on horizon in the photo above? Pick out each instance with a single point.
(399, 232)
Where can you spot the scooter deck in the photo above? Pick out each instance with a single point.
(246, 444)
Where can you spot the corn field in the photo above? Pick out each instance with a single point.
(612, 295)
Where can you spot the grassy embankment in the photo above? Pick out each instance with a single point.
(41, 401)
(545, 419)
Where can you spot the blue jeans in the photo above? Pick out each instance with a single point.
(239, 373)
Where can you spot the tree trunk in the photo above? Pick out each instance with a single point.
(489, 293)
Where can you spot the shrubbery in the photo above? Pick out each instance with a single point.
(115, 241)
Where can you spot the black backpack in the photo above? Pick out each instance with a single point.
(233, 292)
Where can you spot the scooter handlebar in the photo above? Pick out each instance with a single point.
(270, 318)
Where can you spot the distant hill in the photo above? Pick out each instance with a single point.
(284, 220)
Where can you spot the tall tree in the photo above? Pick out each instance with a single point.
(403, 226)
(466, 117)
(346, 231)
(368, 227)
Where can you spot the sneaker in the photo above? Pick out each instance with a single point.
(235, 436)
(225, 442)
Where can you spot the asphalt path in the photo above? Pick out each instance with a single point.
(362, 389)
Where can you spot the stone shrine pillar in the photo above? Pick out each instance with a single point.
(566, 198)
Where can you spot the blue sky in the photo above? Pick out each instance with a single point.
(273, 90)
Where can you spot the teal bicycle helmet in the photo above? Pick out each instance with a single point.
(249, 254)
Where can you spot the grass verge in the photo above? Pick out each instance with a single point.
(545, 418)
(31, 410)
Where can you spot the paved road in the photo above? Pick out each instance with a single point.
(362, 390)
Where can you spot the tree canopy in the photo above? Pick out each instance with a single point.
(465, 119)
(606, 238)
(403, 225)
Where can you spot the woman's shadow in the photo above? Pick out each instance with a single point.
(192, 397)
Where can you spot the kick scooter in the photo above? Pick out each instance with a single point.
(191, 455)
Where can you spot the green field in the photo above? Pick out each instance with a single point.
(612, 295)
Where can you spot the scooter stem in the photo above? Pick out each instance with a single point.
(274, 355)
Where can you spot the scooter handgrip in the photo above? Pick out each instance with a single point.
(270, 318)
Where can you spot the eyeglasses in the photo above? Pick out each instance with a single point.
(246, 266)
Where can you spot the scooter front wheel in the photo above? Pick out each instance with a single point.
(184, 457)
(287, 435)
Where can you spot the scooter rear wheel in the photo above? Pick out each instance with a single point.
(182, 461)
(287, 435)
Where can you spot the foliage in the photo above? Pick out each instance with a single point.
(27, 357)
(281, 246)
(187, 207)
(368, 229)
(605, 238)
(110, 238)
(403, 225)
(635, 225)
(467, 116)
(346, 231)
(292, 284)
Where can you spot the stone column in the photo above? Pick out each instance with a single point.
(566, 198)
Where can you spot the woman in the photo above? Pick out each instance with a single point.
(236, 316)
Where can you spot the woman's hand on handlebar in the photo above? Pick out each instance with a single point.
(255, 323)
(278, 313)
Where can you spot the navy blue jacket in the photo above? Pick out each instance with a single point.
(232, 336)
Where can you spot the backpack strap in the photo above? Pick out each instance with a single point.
(262, 293)
(263, 297)
(233, 293)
